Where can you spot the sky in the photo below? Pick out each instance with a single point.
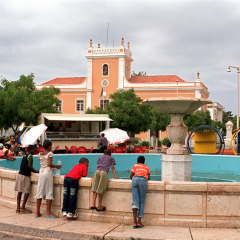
(50, 39)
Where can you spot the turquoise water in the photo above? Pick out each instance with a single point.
(205, 168)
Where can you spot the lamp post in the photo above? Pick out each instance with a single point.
(229, 70)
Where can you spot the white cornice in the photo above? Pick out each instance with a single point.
(166, 89)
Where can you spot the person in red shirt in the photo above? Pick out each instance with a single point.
(70, 188)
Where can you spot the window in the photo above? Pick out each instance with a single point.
(105, 69)
(59, 107)
(127, 72)
(103, 103)
(80, 105)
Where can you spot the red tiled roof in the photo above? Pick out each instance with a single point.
(155, 79)
(67, 80)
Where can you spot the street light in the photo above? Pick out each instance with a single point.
(229, 70)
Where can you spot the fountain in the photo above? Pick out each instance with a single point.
(176, 163)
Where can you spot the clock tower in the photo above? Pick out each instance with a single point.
(106, 70)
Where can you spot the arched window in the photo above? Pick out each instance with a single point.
(127, 71)
(105, 69)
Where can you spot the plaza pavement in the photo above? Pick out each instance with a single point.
(25, 226)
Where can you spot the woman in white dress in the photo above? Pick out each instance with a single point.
(45, 179)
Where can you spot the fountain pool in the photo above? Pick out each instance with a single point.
(205, 168)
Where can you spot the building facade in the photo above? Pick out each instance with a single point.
(108, 71)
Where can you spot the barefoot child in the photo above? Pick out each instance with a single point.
(100, 180)
(45, 179)
(23, 182)
(140, 174)
(70, 188)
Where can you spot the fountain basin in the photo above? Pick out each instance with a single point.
(183, 204)
(177, 105)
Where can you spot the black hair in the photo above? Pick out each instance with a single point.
(30, 147)
(102, 134)
(83, 160)
(107, 151)
(47, 143)
(11, 136)
(38, 140)
(141, 159)
(60, 124)
(2, 140)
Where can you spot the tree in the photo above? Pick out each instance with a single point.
(142, 73)
(21, 102)
(128, 112)
(196, 119)
(159, 121)
(96, 110)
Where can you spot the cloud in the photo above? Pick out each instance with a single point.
(50, 39)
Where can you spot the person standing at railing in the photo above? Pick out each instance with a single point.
(51, 127)
(103, 142)
(60, 128)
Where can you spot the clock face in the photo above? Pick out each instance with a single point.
(105, 82)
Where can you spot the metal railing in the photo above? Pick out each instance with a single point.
(71, 135)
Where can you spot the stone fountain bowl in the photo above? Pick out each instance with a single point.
(177, 105)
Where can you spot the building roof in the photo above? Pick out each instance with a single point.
(66, 80)
(155, 79)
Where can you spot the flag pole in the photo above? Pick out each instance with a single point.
(103, 102)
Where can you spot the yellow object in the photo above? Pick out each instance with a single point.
(205, 142)
(232, 141)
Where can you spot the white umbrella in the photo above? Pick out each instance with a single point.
(115, 135)
(33, 134)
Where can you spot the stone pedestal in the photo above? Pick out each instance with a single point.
(229, 128)
(176, 167)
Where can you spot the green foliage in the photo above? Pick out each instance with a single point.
(145, 143)
(128, 113)
(196, 119)
(159, 121)
(96, 110)
(134, 141)
(142, 73)
(164, 141)
(21, 102)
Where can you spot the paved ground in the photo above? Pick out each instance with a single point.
(25, 226)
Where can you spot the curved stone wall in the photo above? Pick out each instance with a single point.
(186, 204)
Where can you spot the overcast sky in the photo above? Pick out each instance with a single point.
(50, 39)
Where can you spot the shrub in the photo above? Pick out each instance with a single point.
(145, 143)
(164, 141)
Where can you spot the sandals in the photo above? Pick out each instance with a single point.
(92, 208)
(17, 210)
(135, 226)
(140, 225)
(101, 210)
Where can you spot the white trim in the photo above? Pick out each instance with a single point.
(121, 72)
(89, 73)
(84, 101)
(89, 100)
(102, 70)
